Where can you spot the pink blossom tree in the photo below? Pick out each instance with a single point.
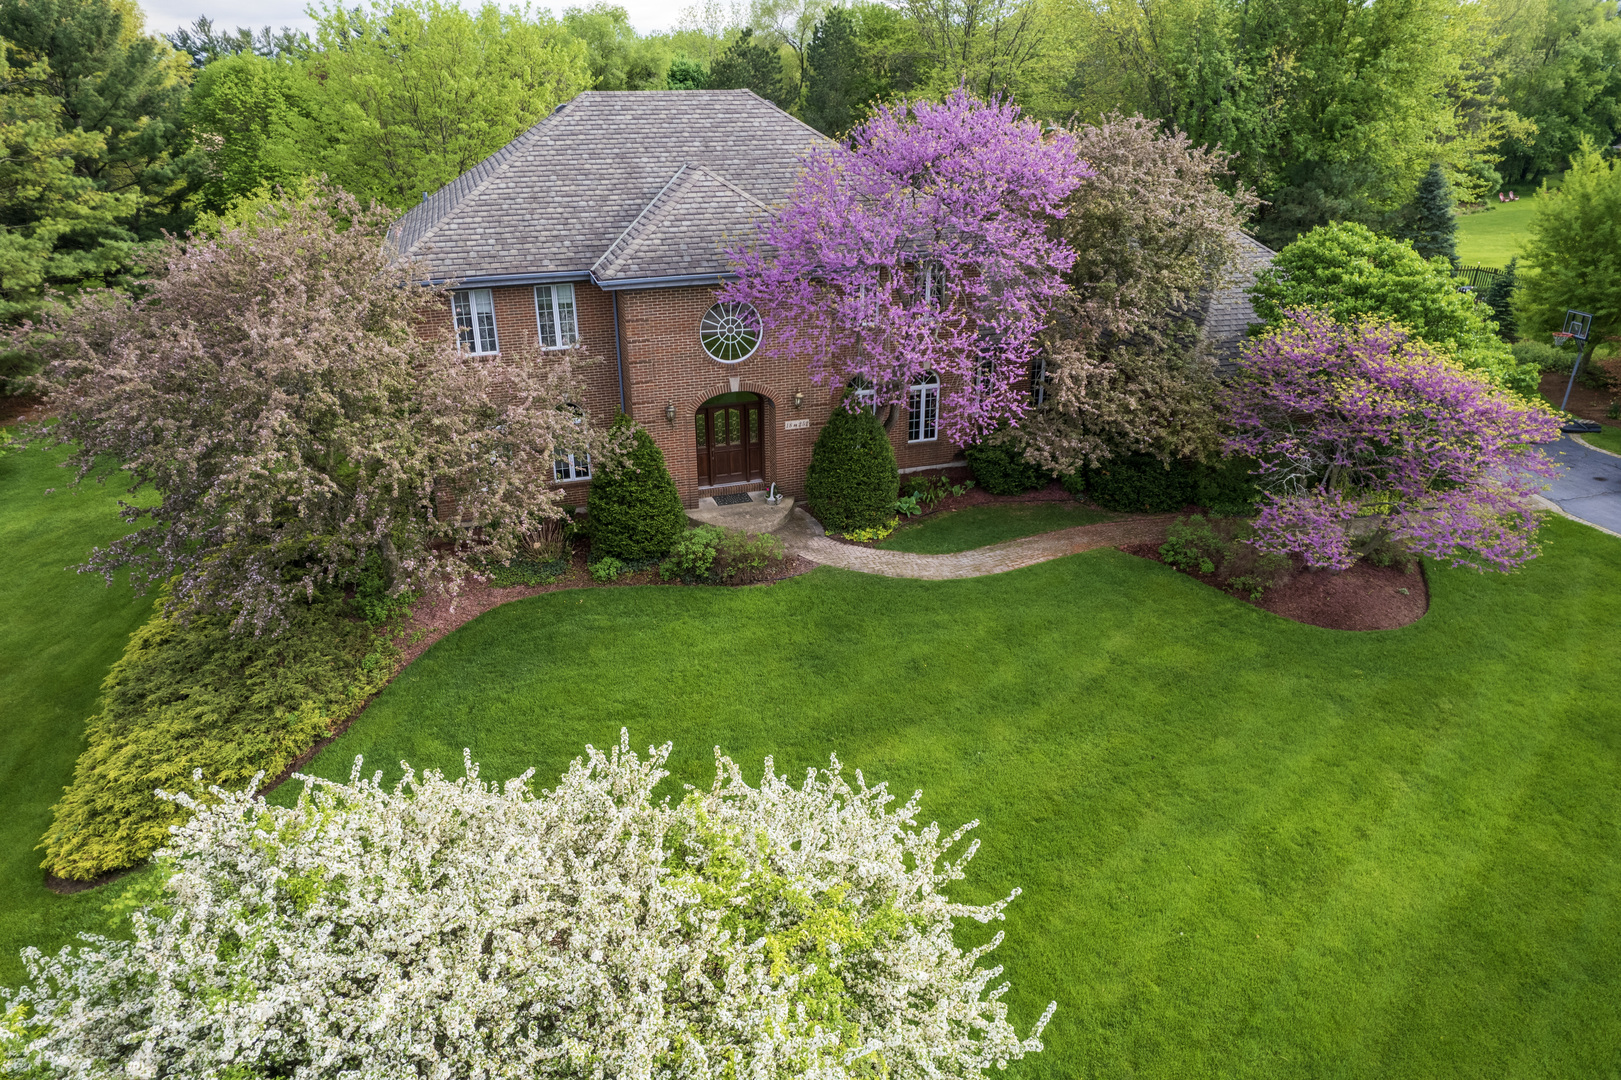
(921, 246)
(1363, 432)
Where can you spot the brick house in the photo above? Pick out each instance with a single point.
(605, 224)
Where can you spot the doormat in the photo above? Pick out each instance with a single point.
(737, 499)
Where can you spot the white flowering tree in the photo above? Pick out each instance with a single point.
(457, 928)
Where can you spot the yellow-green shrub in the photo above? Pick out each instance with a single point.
(192, 697)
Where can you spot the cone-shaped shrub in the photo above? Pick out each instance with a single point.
(853, 482)
(635, 510)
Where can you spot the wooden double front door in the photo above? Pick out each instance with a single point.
(731, 439)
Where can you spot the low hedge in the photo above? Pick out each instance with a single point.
(1002, 470)
(190, 697)
(1141, 483)
(852, 482)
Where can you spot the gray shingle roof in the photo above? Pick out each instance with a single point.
(684, 231)
(1229, 314)
(575, 191)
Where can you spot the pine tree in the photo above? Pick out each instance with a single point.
(833, 90)
(746, 65)
(1432, 223)
(1500, 298)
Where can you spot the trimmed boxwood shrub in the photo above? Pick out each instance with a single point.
(853, 481)
(634, 510)
(1002, 470)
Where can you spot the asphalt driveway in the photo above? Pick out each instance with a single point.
(1590, 485)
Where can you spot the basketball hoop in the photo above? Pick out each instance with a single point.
(1560, 337)
(1577, 324)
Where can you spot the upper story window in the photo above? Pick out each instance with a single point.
(931, 282)
(923, 410)
(730, 332)
(1038, 382)
(475, 320)
(862, 393)
(554, 313)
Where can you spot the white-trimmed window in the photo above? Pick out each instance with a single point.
(475, 320)
(571, 466)
(931, 282)
(862, 393)
(1038, 382)
(554, 314)
(923, 410)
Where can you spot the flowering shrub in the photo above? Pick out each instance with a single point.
(457, 928)
(921, 247)
(1363, 432)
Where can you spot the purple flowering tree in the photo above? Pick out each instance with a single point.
(1362, 432)
(921, 246)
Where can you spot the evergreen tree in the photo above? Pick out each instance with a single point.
(1500, 298)
(834, 88)
(747, 65)
(1432, 222)
(634, 508)
(205, 44)
(852, 482)
(111, 78)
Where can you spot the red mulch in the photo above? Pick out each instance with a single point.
(1365, 597)
(21, 408)
(1587, 404)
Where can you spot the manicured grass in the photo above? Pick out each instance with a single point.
(1249, 848)
(1608, 439)
(1492, 237)
(60, 633)
(963, 530)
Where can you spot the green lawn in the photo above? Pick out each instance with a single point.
(60, 634)
(963, 530)
(1249, 848)
(1608, 439)
(1492, 237)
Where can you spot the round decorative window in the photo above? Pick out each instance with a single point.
(730, 332)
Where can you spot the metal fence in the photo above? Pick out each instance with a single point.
(1478, 278)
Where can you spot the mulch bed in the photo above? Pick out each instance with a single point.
(1365, 597)
(21, 408)
(1587, 404)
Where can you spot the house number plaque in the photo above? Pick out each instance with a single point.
(795, 425)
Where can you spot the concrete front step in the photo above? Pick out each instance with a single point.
(757, 516)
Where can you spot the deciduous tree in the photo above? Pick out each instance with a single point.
(921, 246)
(1364, 433)
(1126, 367)
(1573, 255)
(1353, 274)
(271, 389)
(466, 928)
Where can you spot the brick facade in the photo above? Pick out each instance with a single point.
(664, 365)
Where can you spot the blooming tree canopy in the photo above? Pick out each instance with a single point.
(1361, 430)
(270, 385)
(457, 928)
(921, 246)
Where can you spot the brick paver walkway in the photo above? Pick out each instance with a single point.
(802, 536)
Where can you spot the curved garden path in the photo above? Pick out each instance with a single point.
(804, 537)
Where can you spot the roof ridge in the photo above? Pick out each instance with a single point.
(632, 233)
(478, 177)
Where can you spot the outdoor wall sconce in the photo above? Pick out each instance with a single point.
(669, 412)
(799, 398)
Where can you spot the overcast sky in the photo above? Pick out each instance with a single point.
(164, 16)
